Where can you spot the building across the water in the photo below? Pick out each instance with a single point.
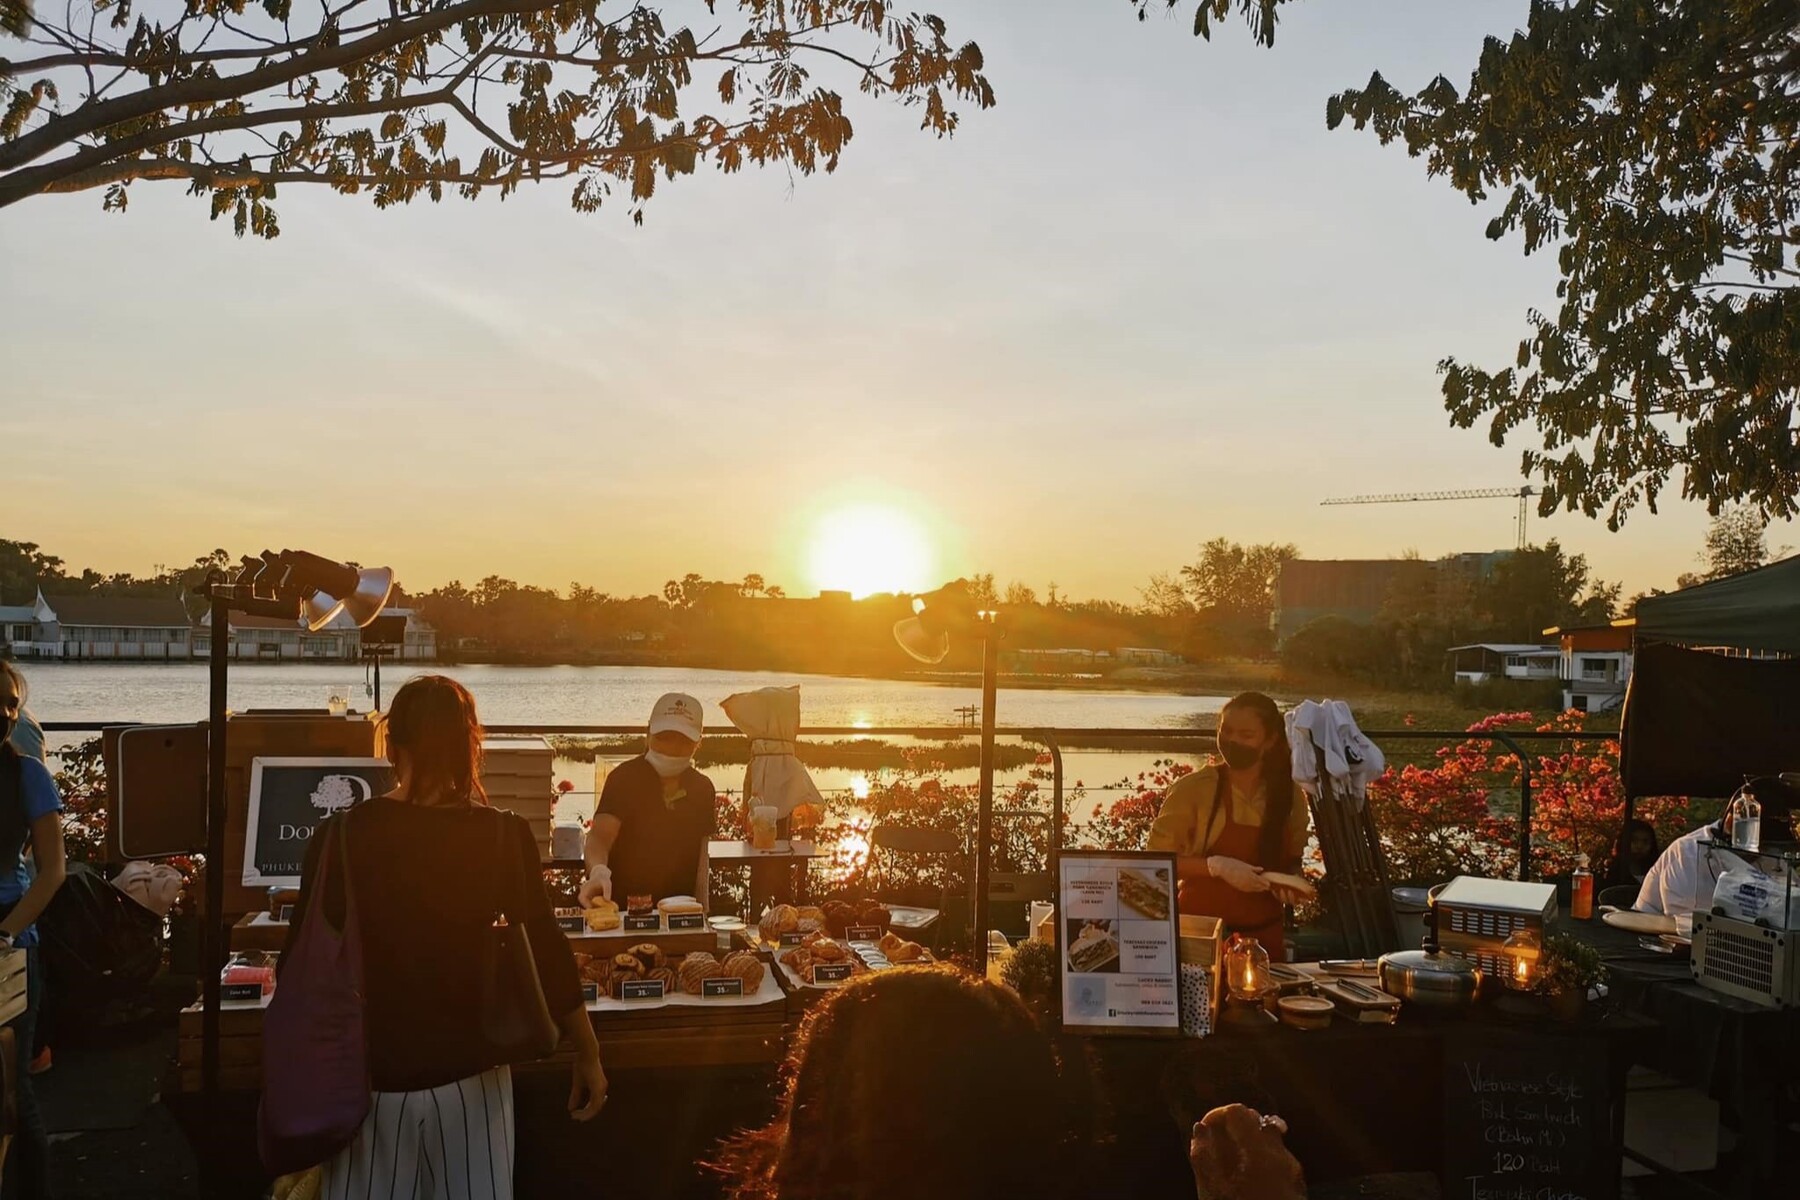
(276, 639)
(1484, 661)
(1596, 665)
(110, 628)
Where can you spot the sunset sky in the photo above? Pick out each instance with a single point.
(1146, 301)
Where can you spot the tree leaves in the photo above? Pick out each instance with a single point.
(469, 94)
(1655, 147)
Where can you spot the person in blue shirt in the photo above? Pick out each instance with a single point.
(30, 814)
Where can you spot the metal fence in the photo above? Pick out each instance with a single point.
(1055, 741)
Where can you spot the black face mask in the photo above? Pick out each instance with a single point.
(1238, 756)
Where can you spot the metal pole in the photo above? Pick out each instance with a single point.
(1524, 804)
(212, 932)
(1056, 794)
(378, 681)
(984, 820)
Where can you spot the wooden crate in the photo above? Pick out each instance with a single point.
(516, 773)
(12, 985)
(240, 1048)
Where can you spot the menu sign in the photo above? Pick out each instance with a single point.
(289, 797)
(1116, 934)
(1522, 1114)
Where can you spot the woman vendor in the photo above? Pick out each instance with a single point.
(1233, 820)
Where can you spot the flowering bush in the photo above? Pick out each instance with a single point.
(1125, 823)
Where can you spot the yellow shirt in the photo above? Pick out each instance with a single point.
(1192, 818)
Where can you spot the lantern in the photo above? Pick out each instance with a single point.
(1521, 952)
(1248, 983)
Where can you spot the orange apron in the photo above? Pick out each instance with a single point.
(1254, 914)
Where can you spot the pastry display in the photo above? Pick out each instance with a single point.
(1145, 893)
(603, 915)
(649, 955)
(838, 917)
(898, 950)
(666, 976)
(680, 905)
(639, 906)
(810, 912)
(746, 966)
(628, 965)
(597, 971)
(783, 918)
(696, 969)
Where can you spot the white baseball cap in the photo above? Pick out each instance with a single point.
(678, 713)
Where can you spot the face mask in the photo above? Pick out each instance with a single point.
(1238, 756)
(667, 765)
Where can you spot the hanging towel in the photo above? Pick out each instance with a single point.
(1351, 759)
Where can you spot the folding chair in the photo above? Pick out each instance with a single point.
(887, 840)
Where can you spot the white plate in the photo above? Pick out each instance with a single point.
(1637, 922)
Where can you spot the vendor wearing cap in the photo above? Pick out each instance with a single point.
(655, 815)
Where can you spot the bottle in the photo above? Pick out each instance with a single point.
(1745, 815)
(1581, 890)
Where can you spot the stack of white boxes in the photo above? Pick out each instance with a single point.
(517, 775)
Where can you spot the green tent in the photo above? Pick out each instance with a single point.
(1758, 610)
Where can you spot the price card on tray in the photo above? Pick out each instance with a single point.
(590, 993)
(793, 938)
(240, 991)
(647, 923)
(686, 922)
(286, 915)
(641, 989)
(863, 933)
(725, 985)
(571, 924)
(831, 972)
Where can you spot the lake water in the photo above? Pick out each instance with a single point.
(508, 695)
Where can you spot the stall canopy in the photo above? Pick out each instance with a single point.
(1697, 722)
(1758, 610)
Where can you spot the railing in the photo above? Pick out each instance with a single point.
(1055, 741)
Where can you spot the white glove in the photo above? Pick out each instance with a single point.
(599, 883)
(1240, 875)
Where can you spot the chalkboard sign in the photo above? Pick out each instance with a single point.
(1527, 1116)
(289, 797)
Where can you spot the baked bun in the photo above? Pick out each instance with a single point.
(783, 918)
(747, 967)
(669, 981)
(827, 951)
(696, 969)
(838, 917)
(650, 955)
(810, 912)
(628, 965)
(906, 952)
(680, 904)
(876, 915)
(603, 915)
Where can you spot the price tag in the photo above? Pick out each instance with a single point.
(831, 972)
(863, 933)
(641, 989)
(286, 915)
(685, 922)
(240, 991)
(648, 923)
(574, 924)
(791, 939)
(590, 993)
(725, 985)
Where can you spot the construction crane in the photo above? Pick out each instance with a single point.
(1524, 495)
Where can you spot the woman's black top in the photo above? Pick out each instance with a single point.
(429, 881)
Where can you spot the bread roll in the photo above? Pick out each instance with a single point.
(628, 965)
(669, 982)
(696, 969)
(745, 966)
(650, 955)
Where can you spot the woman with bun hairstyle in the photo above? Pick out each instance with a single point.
(431, 862)
(1236, 818)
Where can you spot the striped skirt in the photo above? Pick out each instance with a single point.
(453, 1142)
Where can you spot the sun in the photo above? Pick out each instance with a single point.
(869, 549)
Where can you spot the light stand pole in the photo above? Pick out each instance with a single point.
(984, 813)
(212, 952)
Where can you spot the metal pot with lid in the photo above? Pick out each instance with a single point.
(1428, 977)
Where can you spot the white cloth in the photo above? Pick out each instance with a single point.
(453, 1142)
(1351, 759)
(1685, 875)
(770, 718)
(156, 886)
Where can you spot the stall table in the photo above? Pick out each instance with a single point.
(771, 873)
(1736, 1052)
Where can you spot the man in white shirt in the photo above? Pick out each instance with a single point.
(1682, 879)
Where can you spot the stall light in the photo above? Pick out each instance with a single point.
(1522, 951)
(1248, 983)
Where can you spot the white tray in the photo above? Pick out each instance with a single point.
(768, 993)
